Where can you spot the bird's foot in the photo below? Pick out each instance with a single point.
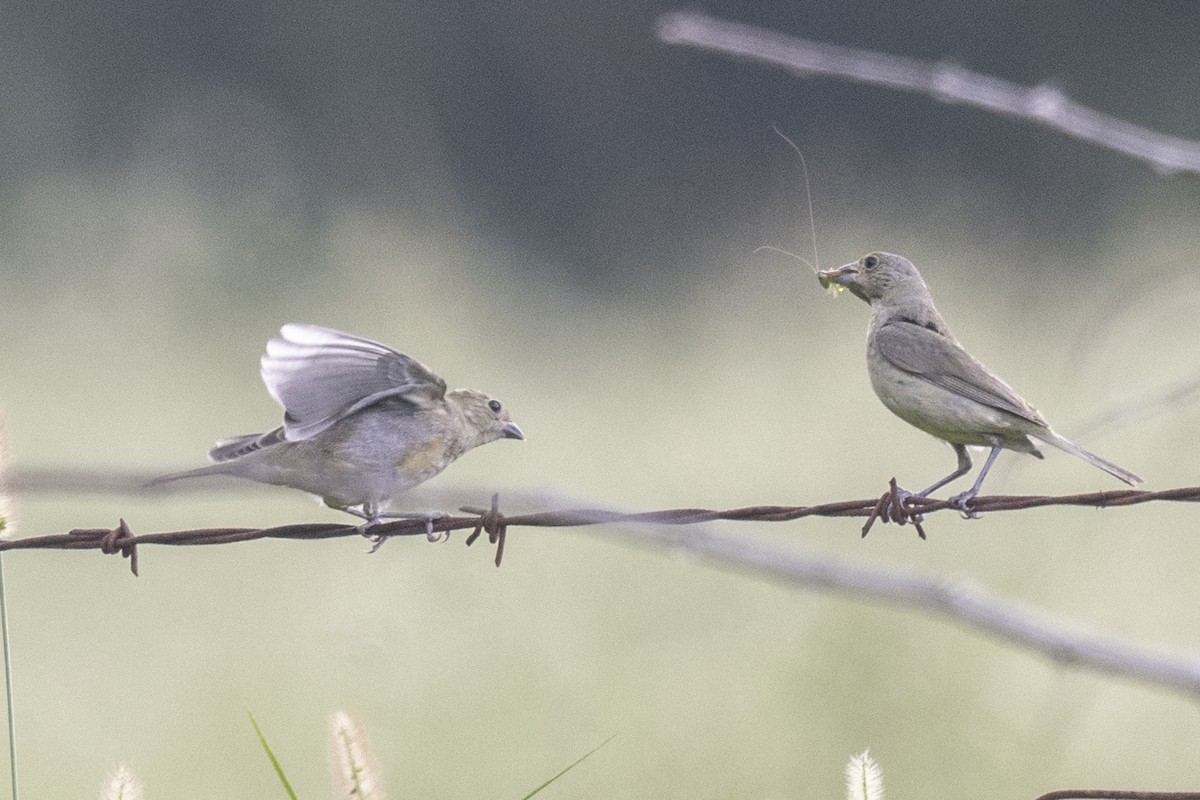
(428, 517)
(894, 506)
(431, 517)
(377, 539)
(368, 517)
(960, 502)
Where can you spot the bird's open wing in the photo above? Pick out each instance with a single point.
(941, 361)
(321, 376)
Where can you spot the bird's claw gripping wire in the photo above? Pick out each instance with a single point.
(895, 505)
(376, 517)
(960, 501)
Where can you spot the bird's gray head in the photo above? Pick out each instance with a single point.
(879, 277)
(487, 420)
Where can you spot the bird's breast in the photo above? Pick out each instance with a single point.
(422, 460)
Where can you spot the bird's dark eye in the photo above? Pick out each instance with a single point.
(494, 405)
(870, 261)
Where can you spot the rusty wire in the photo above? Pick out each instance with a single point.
(1116, 794)
(889, 507)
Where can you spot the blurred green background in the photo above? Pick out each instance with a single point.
(540, 201)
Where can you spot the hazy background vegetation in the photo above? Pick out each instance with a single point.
(540, 201)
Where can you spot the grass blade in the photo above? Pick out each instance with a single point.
(8, 685)
(274, 761)
(570, 767)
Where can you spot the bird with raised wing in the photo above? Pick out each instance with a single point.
(925, 377)
(362, 423)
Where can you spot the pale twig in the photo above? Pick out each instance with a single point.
(975, 609)
(949, 83)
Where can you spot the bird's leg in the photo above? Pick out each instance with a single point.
(371, 516)
(369, 512)
(901, 494)
(960, 500)
(964, 466)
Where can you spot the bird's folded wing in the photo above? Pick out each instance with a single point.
(321, 376)
(941, 361)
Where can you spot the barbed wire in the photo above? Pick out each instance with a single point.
(1059, 640)
(1116, 794)
(892, 506)
(949, 83)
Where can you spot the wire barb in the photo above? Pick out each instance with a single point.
(492, 521)
(108, 540)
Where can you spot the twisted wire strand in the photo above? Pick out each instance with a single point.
(889, 507)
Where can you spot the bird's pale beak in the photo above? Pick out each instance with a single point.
(512, 431)
(842, 276)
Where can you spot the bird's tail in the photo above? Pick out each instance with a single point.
(1067, 446)
(200, 472)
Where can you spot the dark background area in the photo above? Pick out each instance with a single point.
(566, 132)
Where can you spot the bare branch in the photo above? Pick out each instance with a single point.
(975, 609)
(946, 82)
